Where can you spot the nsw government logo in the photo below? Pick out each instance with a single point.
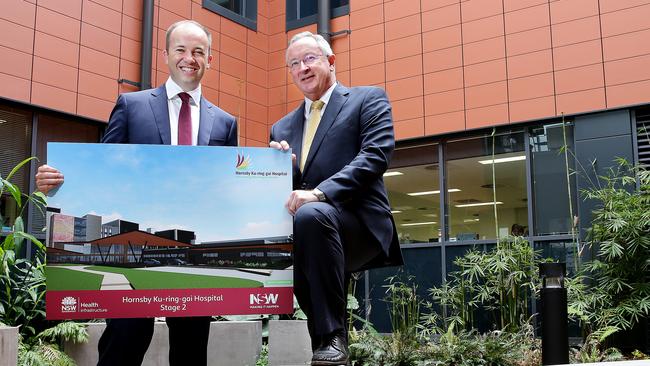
(264, 301)
(68, 304)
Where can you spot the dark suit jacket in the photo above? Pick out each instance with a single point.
(350, 152)
(143, 118)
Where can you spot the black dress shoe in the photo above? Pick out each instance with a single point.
(333, 351)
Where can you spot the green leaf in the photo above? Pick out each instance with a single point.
(18, 228)
(300, 315)
(40, 196)
(15, 192)
(20, 311)
(8, 243)
(31, 238)
(353, 304)
(17, 167)
(19, 225)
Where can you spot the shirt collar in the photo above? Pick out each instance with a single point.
(325, 98)
(173, 89)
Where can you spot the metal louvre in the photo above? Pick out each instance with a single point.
(15, 141)
(643, 136)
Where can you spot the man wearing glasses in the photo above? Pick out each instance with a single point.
(343, 140)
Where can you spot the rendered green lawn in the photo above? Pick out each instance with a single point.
(60, 279)
(146, 279)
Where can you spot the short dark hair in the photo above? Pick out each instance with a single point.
(183, 22)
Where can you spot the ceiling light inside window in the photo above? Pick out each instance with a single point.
(419, 223)
(479, 204)
(426, 193)
(503, 160)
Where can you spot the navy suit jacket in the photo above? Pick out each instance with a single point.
(350, 152)
(143, 118)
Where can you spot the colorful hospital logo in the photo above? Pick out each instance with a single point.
(68, 304)
(243, 162)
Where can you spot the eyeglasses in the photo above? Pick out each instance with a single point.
(309, 59)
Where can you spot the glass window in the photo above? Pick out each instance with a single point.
(550, 169)
(474, 191)
(422, 264)
(15, 139)
(563, 251)
(55, 129)
(414, 193)
(243, 12)
(304, 12)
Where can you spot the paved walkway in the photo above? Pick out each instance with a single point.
(111, 281)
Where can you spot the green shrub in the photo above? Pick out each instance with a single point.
(612, 291)
(22, 286)
(500, 281)
(22, 281)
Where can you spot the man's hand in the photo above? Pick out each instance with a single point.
(48, 178)
(299, 198)
(283, 146)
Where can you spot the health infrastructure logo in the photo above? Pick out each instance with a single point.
(243, 162)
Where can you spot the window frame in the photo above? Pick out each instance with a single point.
(231, 15)
(296, 23)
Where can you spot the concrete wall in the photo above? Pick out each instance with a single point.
(289, 343)
(230, 343)
(8, 346)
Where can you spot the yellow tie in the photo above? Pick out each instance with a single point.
(312, 126)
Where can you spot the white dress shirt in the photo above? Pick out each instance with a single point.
(174, 107)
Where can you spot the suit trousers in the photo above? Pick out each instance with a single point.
(323, 237)
(125, 341)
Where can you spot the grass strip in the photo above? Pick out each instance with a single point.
(61, 279)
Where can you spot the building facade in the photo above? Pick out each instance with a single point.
(494, 102)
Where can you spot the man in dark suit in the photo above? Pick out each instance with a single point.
(343, 141)
(174, 113)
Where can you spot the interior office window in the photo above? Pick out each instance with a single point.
(304, 12)
(55, 129)
(550, 170)
(471, 186)
(243, 12)
(412, 182)
(15, 143)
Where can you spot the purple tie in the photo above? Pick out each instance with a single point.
(185, 121)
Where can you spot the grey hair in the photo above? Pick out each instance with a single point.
(184, 22)
(322, 43)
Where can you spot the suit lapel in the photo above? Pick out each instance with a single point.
(337, 99)
(206, 118)
(160, 110)
(296, 131)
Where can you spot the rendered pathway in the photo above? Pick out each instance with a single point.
(111, 281)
